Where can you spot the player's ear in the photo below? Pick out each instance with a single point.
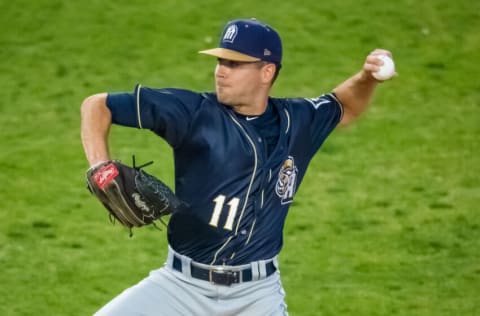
(268, 72)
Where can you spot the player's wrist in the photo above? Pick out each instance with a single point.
(97, 163)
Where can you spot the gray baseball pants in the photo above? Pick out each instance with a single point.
(169, 292)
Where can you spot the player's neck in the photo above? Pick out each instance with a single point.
(249, 110)
(256, 107)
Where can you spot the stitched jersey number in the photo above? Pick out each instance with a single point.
(217, 211)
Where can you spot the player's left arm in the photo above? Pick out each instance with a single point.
(356, 92)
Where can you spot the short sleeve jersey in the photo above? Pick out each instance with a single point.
(238, 196)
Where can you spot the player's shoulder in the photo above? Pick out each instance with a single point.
(305, 101)
(172, 92)
(211, 97)
(186, 97)
(306, 104)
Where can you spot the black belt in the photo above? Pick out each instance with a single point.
(221, 276)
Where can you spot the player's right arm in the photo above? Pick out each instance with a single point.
(167, 112)
(96, 120)
(357, 91)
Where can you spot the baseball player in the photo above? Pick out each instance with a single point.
(240, 156)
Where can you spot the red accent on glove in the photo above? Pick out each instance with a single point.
(105, 175)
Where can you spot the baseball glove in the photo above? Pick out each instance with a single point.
(131, 196)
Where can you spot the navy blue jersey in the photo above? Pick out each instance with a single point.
(238, 194)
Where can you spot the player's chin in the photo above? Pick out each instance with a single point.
(222, 97)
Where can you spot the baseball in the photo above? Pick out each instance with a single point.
(386, 71)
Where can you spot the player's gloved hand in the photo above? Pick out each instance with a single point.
(131, 196)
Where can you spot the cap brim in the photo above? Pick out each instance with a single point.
(228, 54)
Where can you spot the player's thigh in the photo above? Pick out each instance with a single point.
(157, 295)
(266, 297)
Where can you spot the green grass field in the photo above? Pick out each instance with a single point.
(387, 219)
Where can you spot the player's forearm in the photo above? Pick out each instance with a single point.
(95, 126)
(355, 94)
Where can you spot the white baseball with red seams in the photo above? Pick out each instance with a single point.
(387, 70)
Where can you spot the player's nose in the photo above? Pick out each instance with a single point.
(220, 71)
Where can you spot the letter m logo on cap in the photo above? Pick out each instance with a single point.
(230, 33)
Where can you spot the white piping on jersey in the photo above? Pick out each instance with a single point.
(221, 248)
(248, 190)
(339, 103)
(288, 121)
(138, 107)
(251, 231)
(270, 176)
(261, 204)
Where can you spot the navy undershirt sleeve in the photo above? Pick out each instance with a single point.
(122, 107)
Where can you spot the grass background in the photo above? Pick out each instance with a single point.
(386, 221)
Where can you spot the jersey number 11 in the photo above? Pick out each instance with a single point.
(217, 211)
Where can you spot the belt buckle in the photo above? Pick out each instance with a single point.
(222, 276)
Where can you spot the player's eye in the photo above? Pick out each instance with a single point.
(229, 63)
(235, 64)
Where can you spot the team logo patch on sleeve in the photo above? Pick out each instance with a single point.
(287, 181)
(317, 102)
